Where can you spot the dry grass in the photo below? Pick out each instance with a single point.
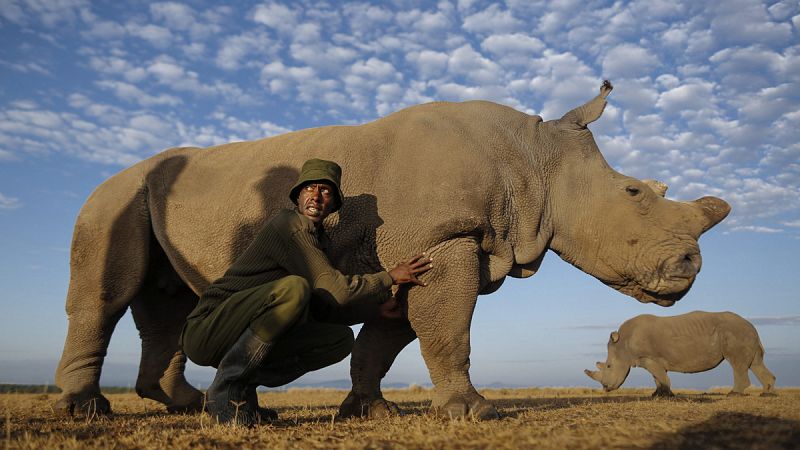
(531, 418)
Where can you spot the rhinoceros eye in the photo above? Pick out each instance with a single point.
(632, 191)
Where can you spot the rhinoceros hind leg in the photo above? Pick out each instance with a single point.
(741, 379)
(377, 345)
(159, 311)
(765, 377)
(107, 266)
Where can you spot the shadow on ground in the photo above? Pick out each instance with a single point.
(735, 430)
(513, 407)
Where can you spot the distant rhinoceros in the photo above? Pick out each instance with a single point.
(688, 343)
(484, 189)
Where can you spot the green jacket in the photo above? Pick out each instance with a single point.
(289, 244)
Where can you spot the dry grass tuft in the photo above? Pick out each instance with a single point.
(577, 418)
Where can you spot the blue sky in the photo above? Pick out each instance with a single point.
(706, 99)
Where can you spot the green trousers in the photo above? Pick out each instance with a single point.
(276, 312)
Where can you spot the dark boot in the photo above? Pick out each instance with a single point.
(273, 374)
(262, 415)
(227, 397)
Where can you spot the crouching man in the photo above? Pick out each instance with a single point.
(271, 317)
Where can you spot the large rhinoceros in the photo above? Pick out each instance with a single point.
(484, 189)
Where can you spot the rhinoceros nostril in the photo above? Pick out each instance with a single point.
(685, 266)
(693, 262)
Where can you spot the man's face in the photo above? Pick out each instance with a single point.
(316, 200)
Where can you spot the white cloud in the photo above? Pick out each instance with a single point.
(492, 20)
(7, 202)
(12, 11)
(748, 68)
(277, 16)
(157, 36)
(770, 103)
(466, 62)
(27, 67)
(628, 61)
(176, 15)
(756, 229)
(323, 57)
(366, 20)
(116, 65)
(428, 23)
(237, 129)
(131, 93)
(745, 22)
(695, 95)
(637, 97)
(234, 49)
(457, 92)
(50, 13)
(516, 45)
(280, 79)
(105, 30)
(429, 64)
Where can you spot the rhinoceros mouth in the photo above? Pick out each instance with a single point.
(664, 299)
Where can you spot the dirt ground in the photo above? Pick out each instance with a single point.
(531, 418)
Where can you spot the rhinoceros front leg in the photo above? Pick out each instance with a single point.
(159, 312)
(660, 377)
(378, 344)
(441, 314)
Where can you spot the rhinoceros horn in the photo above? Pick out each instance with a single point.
(589, 111)
(593, 374)
(714, 210)
(657, 186)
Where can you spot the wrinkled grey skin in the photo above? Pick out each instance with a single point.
(484, 189)
(688, 343)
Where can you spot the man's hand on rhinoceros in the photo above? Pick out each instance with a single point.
(406, 272)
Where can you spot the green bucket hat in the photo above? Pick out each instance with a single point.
(319, 170)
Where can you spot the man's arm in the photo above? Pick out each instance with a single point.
(306, 258)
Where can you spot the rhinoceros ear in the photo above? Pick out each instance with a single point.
(657, 186)
(590, 111)
(614, 337)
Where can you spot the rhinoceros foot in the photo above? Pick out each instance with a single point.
(736, 394)
(192, 406)
(373, 407)
(84, 404)
(665, 393)
(459, 408)
(179, 397)
(768, 394)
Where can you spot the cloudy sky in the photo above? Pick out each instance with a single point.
(706, 99)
